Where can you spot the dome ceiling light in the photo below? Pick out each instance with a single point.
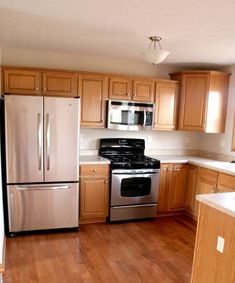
(155, 54)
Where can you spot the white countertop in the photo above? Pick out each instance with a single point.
(93, 159)
(225, 167)
(224, 202)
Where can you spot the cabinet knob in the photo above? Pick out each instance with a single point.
(94, 170)
(128, 94)
(44, 89)
(106, 182)
(134, 94)
(168, 169)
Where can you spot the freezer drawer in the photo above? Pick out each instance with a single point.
(42, 206)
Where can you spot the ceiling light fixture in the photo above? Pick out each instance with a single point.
(155, 55)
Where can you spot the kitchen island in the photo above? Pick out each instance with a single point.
(214, 255)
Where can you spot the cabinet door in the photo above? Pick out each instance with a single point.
(194, 91)
(59, 84)
(93, 94)
(166, 96)
(165, 187)
(93, 198)
(143, 90)
(120, 88)
(178, 187)
(21, 81)
(224, 189)
(190, 191)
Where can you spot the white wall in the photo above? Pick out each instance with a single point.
(1, 205)
(74, 61)
(154, 139)
(221, 143)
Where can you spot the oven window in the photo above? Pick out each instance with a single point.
(135, 187)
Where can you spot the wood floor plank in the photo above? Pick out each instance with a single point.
(154, 251)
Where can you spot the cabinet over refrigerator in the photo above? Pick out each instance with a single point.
(42, 162)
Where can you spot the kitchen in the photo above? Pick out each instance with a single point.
(176, 146)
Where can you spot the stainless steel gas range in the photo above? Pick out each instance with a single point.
(134, 179)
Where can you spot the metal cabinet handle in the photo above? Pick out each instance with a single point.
(44, 89)
(94, 170)
(39, 133)
(168, 169)
(106, 182)
(128, 94)
(48, 140)
(134, 94)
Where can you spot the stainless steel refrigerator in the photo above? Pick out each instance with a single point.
(42, 162)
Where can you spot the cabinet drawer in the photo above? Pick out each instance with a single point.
(94, 170)
(208, 175)
(227, 181)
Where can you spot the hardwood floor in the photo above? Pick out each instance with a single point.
(150, 251)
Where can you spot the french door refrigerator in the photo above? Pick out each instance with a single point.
(42, 162)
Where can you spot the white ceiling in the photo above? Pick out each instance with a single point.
(194, 31)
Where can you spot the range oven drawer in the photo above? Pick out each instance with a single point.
(130, 212)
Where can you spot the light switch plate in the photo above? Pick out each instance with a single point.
(220, 244)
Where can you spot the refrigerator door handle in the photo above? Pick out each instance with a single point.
(39, 132)
(48, 140)
(41, 187)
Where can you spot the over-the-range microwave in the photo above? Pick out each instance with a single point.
(126, 115)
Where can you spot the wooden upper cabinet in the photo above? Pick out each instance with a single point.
(125, 88)
(93, 94)
(19, 81)
(59, 84)
(166, 96)
(203, 100)
(178, 187)
(143, 90)
(120, 88)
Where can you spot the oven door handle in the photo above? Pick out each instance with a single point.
(135, 173)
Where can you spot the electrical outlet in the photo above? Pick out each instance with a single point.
(220, 244)
(149, 139)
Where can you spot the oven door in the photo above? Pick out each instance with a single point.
(134, 186)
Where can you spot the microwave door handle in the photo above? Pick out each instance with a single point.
(145, 117)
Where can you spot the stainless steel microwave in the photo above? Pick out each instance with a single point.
(126, 115)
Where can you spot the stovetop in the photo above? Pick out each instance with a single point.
(127, 154)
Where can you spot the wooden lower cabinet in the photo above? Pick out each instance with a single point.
(165, 187)
(94, 191)
(209, 265)
(226, 183)
(178, 186)
(172, 188)
(190, 191)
